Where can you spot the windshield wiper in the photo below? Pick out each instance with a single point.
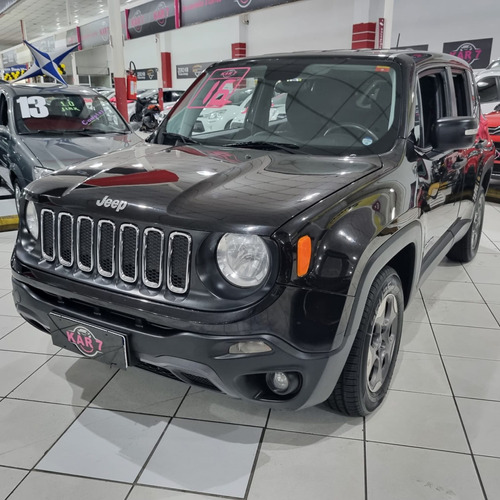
(178, 138)
(289, 147)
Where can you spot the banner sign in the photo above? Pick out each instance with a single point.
(147, 74)
(191, 70)
(95, 33)
(16, 67)
(150, 18)
(9, 58)
(73, 37)
(381, 27)
(476, 52)
(198, 11)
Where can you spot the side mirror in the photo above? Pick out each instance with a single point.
(453, 133)
(497, 107)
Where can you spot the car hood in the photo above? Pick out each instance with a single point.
(55, 153)
(196, 188)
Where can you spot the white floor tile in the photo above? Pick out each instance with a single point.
(109, 445)
(9, 323)
(447, 312)
(484, 260)
(417, 474)
(328, 468)
(7, 307)
(480, 274)
(66, 380)
(142, 392)
(43, 486)
(495, 309)
(481, 420)
(415, 312)
(28, 429)
(422, 420)
(215, 407)
(221, 454)
(27, 338)
(7, 246)
(7, 207)
(489, 470)
(15, 367)
(5, 281)
(149, 493)
(9, 479)
(417, 372)
(449, 271)
(455, 291)
(418, 337)
(487, 246)
(468, 342)
(474, 378)
(317, 420)
(490, 292)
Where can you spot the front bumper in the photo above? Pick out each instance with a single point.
(189, 354)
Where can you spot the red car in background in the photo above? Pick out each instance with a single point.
(493, 119)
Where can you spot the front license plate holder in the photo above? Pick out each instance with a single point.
(90, 340)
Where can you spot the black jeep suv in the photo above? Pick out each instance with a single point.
(272, 260)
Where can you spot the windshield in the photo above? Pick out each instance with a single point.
(314, 105)
(67, 113)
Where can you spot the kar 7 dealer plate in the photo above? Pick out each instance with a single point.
(91, 341)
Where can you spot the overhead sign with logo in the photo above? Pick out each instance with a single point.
(476, 52)
(150, 18)
(198, 11)
(147, 74)
(73, 36)
(191, 70)
(95, 33)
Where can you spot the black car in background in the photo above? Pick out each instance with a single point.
(272, 261)
(46, 128)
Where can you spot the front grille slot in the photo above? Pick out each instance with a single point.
(85, 243)
(106, 248)
(152, 252)
(65, 239)
(99, 245)
(48, 235)
(179, 256)
(494, 130)
(129, 246)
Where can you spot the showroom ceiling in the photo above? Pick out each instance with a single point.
(44, 17)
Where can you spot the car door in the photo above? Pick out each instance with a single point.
(438, 172)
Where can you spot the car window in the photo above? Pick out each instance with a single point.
(462, 93)
(325, 106)
(435, 103)
(4, 116)
(488, 89)
(66, 113)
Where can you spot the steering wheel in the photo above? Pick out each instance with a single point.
(359, 129)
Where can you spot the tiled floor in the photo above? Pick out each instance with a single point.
(73, 428)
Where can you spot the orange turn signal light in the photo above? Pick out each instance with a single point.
(304, 250)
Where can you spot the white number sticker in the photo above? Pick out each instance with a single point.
(33, 107)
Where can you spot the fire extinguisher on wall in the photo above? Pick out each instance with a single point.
(131, 82)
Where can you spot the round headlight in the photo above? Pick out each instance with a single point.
(32, 219)
(243, 259)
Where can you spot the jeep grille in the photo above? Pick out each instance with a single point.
(107, 246)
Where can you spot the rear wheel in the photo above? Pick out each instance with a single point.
(465, 249)
(370, 365)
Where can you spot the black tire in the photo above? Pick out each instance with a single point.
(360, 388)
(465, 249)
(133, 118)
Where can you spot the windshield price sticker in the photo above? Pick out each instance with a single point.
(33, 106)
(218, 88)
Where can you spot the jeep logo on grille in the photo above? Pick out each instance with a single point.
(118, 205)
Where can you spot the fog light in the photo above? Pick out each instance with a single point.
(250, 347)
(282, 383)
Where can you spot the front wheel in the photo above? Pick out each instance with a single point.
(465, 249)
(368, 370)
